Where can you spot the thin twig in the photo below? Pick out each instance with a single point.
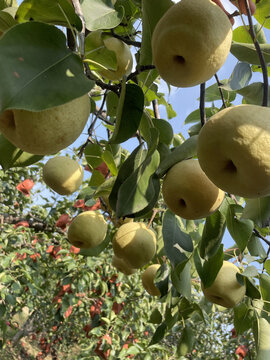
(125, 39)
(140, 69)
(156, 109)
(78, 11)
(202, 104)
(259, 235)
(220, 91)
(260, 55)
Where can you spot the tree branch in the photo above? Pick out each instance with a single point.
(202, 104)
(260, 54)
(220, 91)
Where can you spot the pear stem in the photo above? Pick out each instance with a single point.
(260, 55)
(202, 104)
(220, 91)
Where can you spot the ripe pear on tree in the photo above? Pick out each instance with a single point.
(226, 290)
(189, 193)
(87, 230)
(121, 266)
(123, 58)
(135, 244)
(233, 150)
(63, 175)
(46, 132)
(191, 42)
(148, 278)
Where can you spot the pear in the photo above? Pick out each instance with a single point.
(148, 278)
(87, 230)
(233, 150)
(46, 132)
(123, 58)
(191, 42)
(226, 290)
(189, 193)
(63, 175)
(121, 266)
(135, 244)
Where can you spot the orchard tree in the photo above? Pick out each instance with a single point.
(115, 249)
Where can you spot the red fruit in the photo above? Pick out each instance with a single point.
(35, 256)
(25, 186)
(241, 351)
(21, 223)
(54, 328)
(74, 250)
(117, 307)
(63, 221)
(68, 312)
(67, 288)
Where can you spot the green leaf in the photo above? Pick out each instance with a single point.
(159, 334)
(57, 12)
(248, 52)
(195, 116)
(211, 268)
(96, 179)
(184, 151)
(10, 299)
(265, 290)
(111, 103)
(258, 210)
(175, 240)
(250, 271)
(242, 35)
(128, 167)
(162, 279)
(93, 155)
(129, 113)
(186, 342)
(263, 347)
(267, 266)
(100, 14)
(7, 3)
(212, 93)
(29, 70)
(262, 13)
(10, 156)
(137, 191)
(252, 290)
(240, 77)
(255, 247)
(181, 279)
(107, 156)
(243, 318)
(155, 317)
(98, 249)
(212, 235)
(165, 130)
(6, 21)
(151, 14)
(154, 190)
(240, 229)
(253, 93)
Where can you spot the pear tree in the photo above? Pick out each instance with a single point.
(114, 225)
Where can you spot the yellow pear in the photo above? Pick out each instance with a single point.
(63, 175)
(189, 193)
(233, 150)
(123, 58)
(135, 244)
(121, 266)
(46, 132)
(87, 230)
(225, 290)
(148, 277)
(191, 42)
